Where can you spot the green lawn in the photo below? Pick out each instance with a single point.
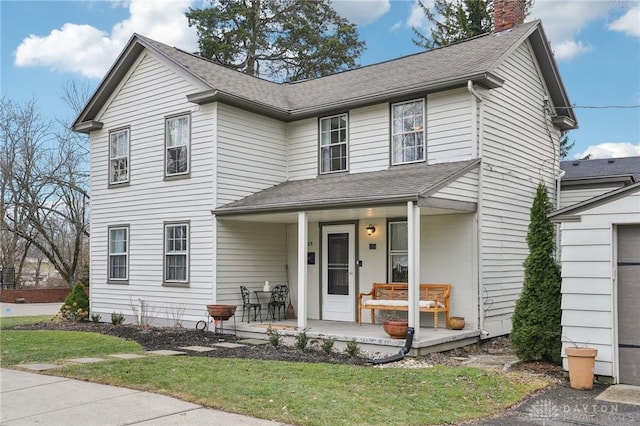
(295, 393)
(11, 321)
(51, 345)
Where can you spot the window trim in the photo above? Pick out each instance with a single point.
(111, 183)
(175, 283)
(346, 143)
(187, 173)
(424, 131)
(391, 252)
(110, 279)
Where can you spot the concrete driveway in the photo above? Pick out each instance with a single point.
(28, 309)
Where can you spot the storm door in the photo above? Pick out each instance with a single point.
(338, 269)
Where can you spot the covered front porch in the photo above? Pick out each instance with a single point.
(330, 238)
(370, 337)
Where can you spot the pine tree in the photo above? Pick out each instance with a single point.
(456, 20)
(283, 40)
(537, 326)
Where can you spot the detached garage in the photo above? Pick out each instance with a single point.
(600, 246)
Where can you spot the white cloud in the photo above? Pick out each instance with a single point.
(417, 18)
(89, 51)
(563, 22)
(396, 26)
(610, 150)
(570, 49)
(629, 23)
(361, 12)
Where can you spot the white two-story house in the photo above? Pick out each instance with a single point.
(204, 179)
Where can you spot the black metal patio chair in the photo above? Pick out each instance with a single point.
(247, 305)
(278, 301)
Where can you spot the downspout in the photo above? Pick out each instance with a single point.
(558, 200)
(479, 131)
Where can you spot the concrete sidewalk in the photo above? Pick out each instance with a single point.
(29, 309)
(29, 399)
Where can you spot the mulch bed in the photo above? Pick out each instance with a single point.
(155, 338)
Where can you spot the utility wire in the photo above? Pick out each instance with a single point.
(600, 107)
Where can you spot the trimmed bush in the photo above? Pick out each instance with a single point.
(537, 328)
(76, 305)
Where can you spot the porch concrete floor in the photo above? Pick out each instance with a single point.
(370, 337)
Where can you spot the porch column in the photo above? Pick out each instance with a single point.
(302, 269)
(413, 243)
(416, 266)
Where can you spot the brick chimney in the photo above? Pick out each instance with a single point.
(507, 14)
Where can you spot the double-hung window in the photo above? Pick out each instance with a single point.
(176, 253)
(333, 143)
(177, 135)
(407, 135)
(398, 252)
(119, 253)
(119, 156)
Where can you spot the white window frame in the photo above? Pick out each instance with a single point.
(118, 157)
(118, 254)
(404, 130)
(171, 253)
(183, 146)
(328, 145)
(394, 251)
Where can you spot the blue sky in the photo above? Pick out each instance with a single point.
(596, 43)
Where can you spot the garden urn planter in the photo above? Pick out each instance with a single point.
(456, 323)
(396, 329)
(221, 312)
(582, 362)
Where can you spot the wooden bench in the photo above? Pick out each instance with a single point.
(394, 297)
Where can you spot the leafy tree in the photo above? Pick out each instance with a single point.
(565, 146)
(456, 20)
(537, 328)
(286, 40)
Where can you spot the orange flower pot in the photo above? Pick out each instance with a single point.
(582, 363)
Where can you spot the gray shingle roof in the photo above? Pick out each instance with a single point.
(394, 185)
(599, 168)
(475, 59)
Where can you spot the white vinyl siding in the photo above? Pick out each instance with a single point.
(119, 156)
(249, 254)
(465, 188)
(408, 132)
(303, 149)
(574, 195)
(369, 138)
(520, 149)
(149, 93)
(588, 277)
(449, 126)
(251, 154)
(178, 140)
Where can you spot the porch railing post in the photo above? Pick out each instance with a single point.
(302, 269)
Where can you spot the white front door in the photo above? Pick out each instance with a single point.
(338, 272)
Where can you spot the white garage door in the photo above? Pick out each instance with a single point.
(629, 303)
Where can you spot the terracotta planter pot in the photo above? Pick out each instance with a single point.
(581, 367)
(456, 323)
(221, 312)
(396, 329)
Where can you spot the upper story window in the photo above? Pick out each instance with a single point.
(178, 136)
(119, 156)
(119, 253)
(407, 134)
(333, 143)
(176, 243)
